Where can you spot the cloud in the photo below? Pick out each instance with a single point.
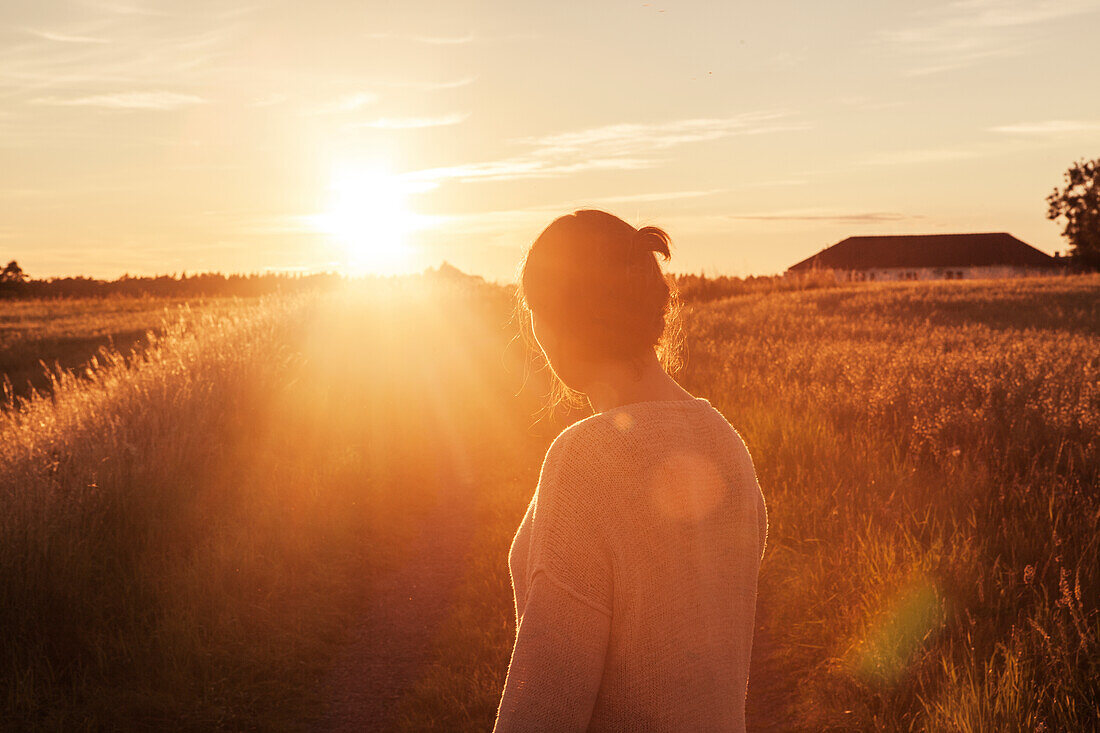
(65, 38)
(1032, 135)
(120, 9)
(583, 203)
(621, 138)
(485, 223)
(346, 103)
(111, 45)
(445, 40)
(624, 146)
(535, 217)
(415, 123)
(930, 155)
(517, 168)
(1010, 13)
(489, 221)
(431, 86)
(141, 53)
(866, 217)
(646, 197)
(1047, 127)
(126, 100)
(967, 32)
(430, 40)
(933, 53)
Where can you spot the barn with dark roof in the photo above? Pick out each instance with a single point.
(930, 257)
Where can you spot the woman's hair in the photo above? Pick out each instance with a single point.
(595, 280)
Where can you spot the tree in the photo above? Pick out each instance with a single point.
(13, 273)
(1079, 204)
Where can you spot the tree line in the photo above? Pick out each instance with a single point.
(14, 283)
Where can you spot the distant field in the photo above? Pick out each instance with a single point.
(188, 538)
(66, 333)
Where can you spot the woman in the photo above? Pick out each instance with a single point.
(635, 567)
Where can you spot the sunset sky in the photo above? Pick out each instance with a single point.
(160, 137)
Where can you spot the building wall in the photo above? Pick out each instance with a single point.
(939, 273)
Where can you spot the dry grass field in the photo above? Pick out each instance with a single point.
(191, 536)
(39, 335)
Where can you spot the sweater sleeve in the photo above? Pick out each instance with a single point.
(557, 663)
(753, 481)
(762, 519)
(568, 533)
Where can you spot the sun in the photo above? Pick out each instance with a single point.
(369, 217)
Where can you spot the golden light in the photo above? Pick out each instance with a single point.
(369, 217)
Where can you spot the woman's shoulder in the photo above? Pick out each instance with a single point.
(578, 447)
(624, 438)
(583, 433)
(605, 442)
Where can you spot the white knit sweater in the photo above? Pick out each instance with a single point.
(635, 572)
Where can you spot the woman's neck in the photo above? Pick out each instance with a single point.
(620, 384)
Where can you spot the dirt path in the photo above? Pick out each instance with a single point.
(404, 609)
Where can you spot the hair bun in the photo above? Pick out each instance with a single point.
(654, 239)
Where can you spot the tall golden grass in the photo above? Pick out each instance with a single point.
(187, 536)
(930, 456)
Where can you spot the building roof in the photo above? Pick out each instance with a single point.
(927, 250)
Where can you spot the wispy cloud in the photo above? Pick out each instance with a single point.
(927, 155)
(520, 167)
(445, 40)
(140, 53)
(859, 217)
(579, 203)
(431, 86)
(625, 146)
(506, 220)
(126, 100)
(1011, 13)
(629, 138)
(415, 123)
(123, 9)
(1008, 139)
(345, 103)
(65, 37)
(428, 39)
(967, 32)
(637, 198)
(1047, 127)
